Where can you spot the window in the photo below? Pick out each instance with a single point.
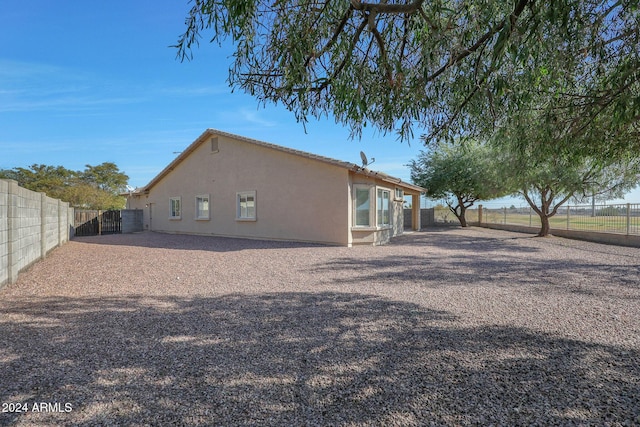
(399, 194)
(202, 207)
(384, 215)
(246, 205)
(175, 210)
(362, 207)
(214, 144)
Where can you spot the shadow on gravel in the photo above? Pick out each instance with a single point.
(443, 238)
(471, 259)
(436, 271)
(150, 239)
(299, 359)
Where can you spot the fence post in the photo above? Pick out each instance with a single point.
(568, 216)
(43, 225)
(12, 226)
(99, 222)
(628, 218)
(479, 214)
(504, 209)
(60, 222)
(530, 210)
(71, 222)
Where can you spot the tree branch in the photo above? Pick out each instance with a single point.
(513, 17)
(339, 68)
(383, 53)
(387, 8)
(333, 38)
(562, 202)
(455, 115)
(531, 203)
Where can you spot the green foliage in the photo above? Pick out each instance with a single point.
(105, 176)
(461, 174)
(549, 165)
(451, 66)
(48, 179)
(97, 187)
(554, 85)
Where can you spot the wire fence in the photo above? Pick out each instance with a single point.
(615, 218)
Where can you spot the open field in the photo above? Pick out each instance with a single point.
(577, 219)
(442, 327)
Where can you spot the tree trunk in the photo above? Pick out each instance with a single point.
(463, 216)
(544, 230)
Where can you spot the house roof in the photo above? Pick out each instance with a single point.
(214, 132)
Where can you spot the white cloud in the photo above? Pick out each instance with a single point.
(194, 91)
(254, 118)
(26, 86)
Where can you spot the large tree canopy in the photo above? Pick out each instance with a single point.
(460, 175)
(97, 187)
(447, 66)
(548, 166)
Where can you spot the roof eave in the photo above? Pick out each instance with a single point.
(388, 178)
(214, 132)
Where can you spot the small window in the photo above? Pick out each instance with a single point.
(384, 214)
(399, 194)
(246, 205)
(214, 144)
(362, 206)
(202, 207)
(175, 208)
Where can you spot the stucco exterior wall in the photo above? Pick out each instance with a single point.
(296, 198)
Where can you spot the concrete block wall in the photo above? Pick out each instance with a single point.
(52, 226)
(31, 224)
(24, 214)
(427, 217)
(4, 232)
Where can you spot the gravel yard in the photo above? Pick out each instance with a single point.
(444, 327)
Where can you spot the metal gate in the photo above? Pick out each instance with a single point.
(93, 223)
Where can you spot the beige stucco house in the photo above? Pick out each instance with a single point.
(229, 185)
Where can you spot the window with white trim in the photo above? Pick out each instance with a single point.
(362, 206)
(383, 207)
(202, 207)
(175, 208)
(246, 205)
(399, 194)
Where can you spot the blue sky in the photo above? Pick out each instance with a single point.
(90, 82)
(84, 83)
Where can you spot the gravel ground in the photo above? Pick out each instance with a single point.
(444, 327)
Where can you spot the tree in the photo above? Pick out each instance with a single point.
(461, 174)
(549, 167)
(107, 177)
(451, 66)
(97, 187)
(52, 180)
(86, 196)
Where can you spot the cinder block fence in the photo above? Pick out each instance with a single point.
(31, 224)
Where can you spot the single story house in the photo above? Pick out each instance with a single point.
(229, 185)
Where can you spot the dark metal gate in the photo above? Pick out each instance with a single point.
(93, 223)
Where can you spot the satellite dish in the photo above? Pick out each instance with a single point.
(130, 189)
(365, 161)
